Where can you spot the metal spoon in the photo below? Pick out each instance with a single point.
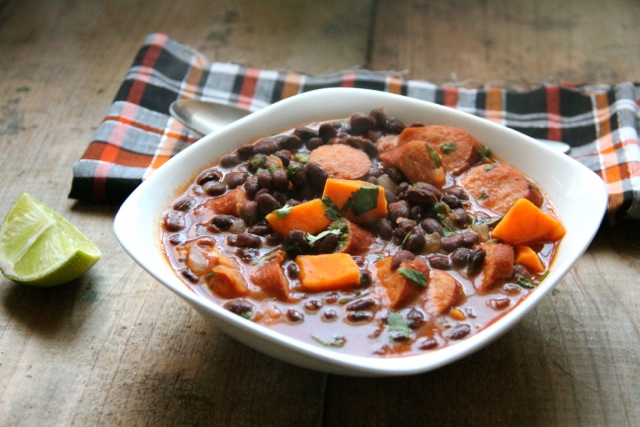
(205, 117)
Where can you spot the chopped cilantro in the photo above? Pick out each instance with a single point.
(302, 157)
(293, 169)
(441, 209)
(435, 156)
(332, 212)
(257, 162)
(398, 324)
(483, 195)
(283, 212)
(484, 152)
(246, 314)
(362, 200)
(313, 239)
(527, 283)
(417, 277)
(448, 148)
(335, 341)
(490, 166)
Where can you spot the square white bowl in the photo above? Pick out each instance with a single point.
(578, 195)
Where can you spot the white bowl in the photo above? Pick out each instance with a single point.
(577, 193)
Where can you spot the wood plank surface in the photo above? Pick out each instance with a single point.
(116, 348)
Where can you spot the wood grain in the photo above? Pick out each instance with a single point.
(116, 348)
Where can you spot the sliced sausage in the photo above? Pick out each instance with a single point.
(417, 161)
(270, 277)
(230, 203)
(443, 292)
(498, 264)
(341, 161)
(400, 291)
(358, 240)
(458, 148)
(386, 143)
(497, 186)
(227, 282)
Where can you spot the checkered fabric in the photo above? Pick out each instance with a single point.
(137, 135)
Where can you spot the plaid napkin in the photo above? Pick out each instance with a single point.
(137, 135)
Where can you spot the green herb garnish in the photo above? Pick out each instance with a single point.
(435, 156)
(490, 166)
(313, 239)
(483, 195)
(417, 277)
(332, 212)
(302, 157)
(448, 148)
(362, 200)
(484, 152)
(293, 169)
(398, 324)
(257, 162)
(283, 212)
(336, 341)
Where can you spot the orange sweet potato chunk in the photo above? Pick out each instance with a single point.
(529, 258)
(308, 216)
(340, 191)
(525, 224)
(328, 272)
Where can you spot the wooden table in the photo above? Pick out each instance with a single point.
(116, 348)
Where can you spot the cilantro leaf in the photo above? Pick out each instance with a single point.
(362, 200)
(435, 156)
(332, 212)
(417, 277)
(484, 152)
(398, 324)
(335, 341)
(283, 212)
(313, 239)
(448, 148)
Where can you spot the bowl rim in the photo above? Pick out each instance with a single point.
(134, 208)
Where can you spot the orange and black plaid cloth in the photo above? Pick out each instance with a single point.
(137, 135)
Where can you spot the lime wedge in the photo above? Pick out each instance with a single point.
(41, 248)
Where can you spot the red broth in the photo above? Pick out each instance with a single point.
(428, 271)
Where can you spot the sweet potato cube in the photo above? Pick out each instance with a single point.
(328, 272)
(308, 216)
(529, 258)
(400, 290)
(360, 201)
(525, 223)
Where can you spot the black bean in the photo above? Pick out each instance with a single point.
(416, 213)
(280, 180)
(499, 303)
(420, 196)
(458, 192)
(206, 242)
(295, 243)
(361, 304)
(185, 204)
(432, 188)
(415, 318)
(284, 156)
(294, 316)
(395, 175)
(305, 133)
(223, 222)
(452, 242)
(209, 175)
(361, 123)
(402, 188)
(359, 316)
(312, 305)
(234, 179)
(397, 210)
(249, 212)
(414, 243)
(427, 344)
(440, 262)
(264, 180)
(461, 217)
(259, 229)
(245, 151)
(326, 245)
(316, 176)
(214, 188)
(365, 278)
(476, 260)
(240, 307)
(470, 238)
(451, 200)
(266, 146)
(400, 257)
(189, 275)
(314, 143)
(329, 314)
(394, 125)
(370, 148)
(299, 178)
(460, 257)
(174, 221)
(267, 203)
(390, 196)
(374, 135)
(432, 225)
(292, 270)
(251, 186)
(405, 224)
(384, 229)
(459, 331)
(244, 240)
(290, 142)
(176, 239)
(379, 117)
(230, 160)
(326, 131)
(354, 142)
(247, 255)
